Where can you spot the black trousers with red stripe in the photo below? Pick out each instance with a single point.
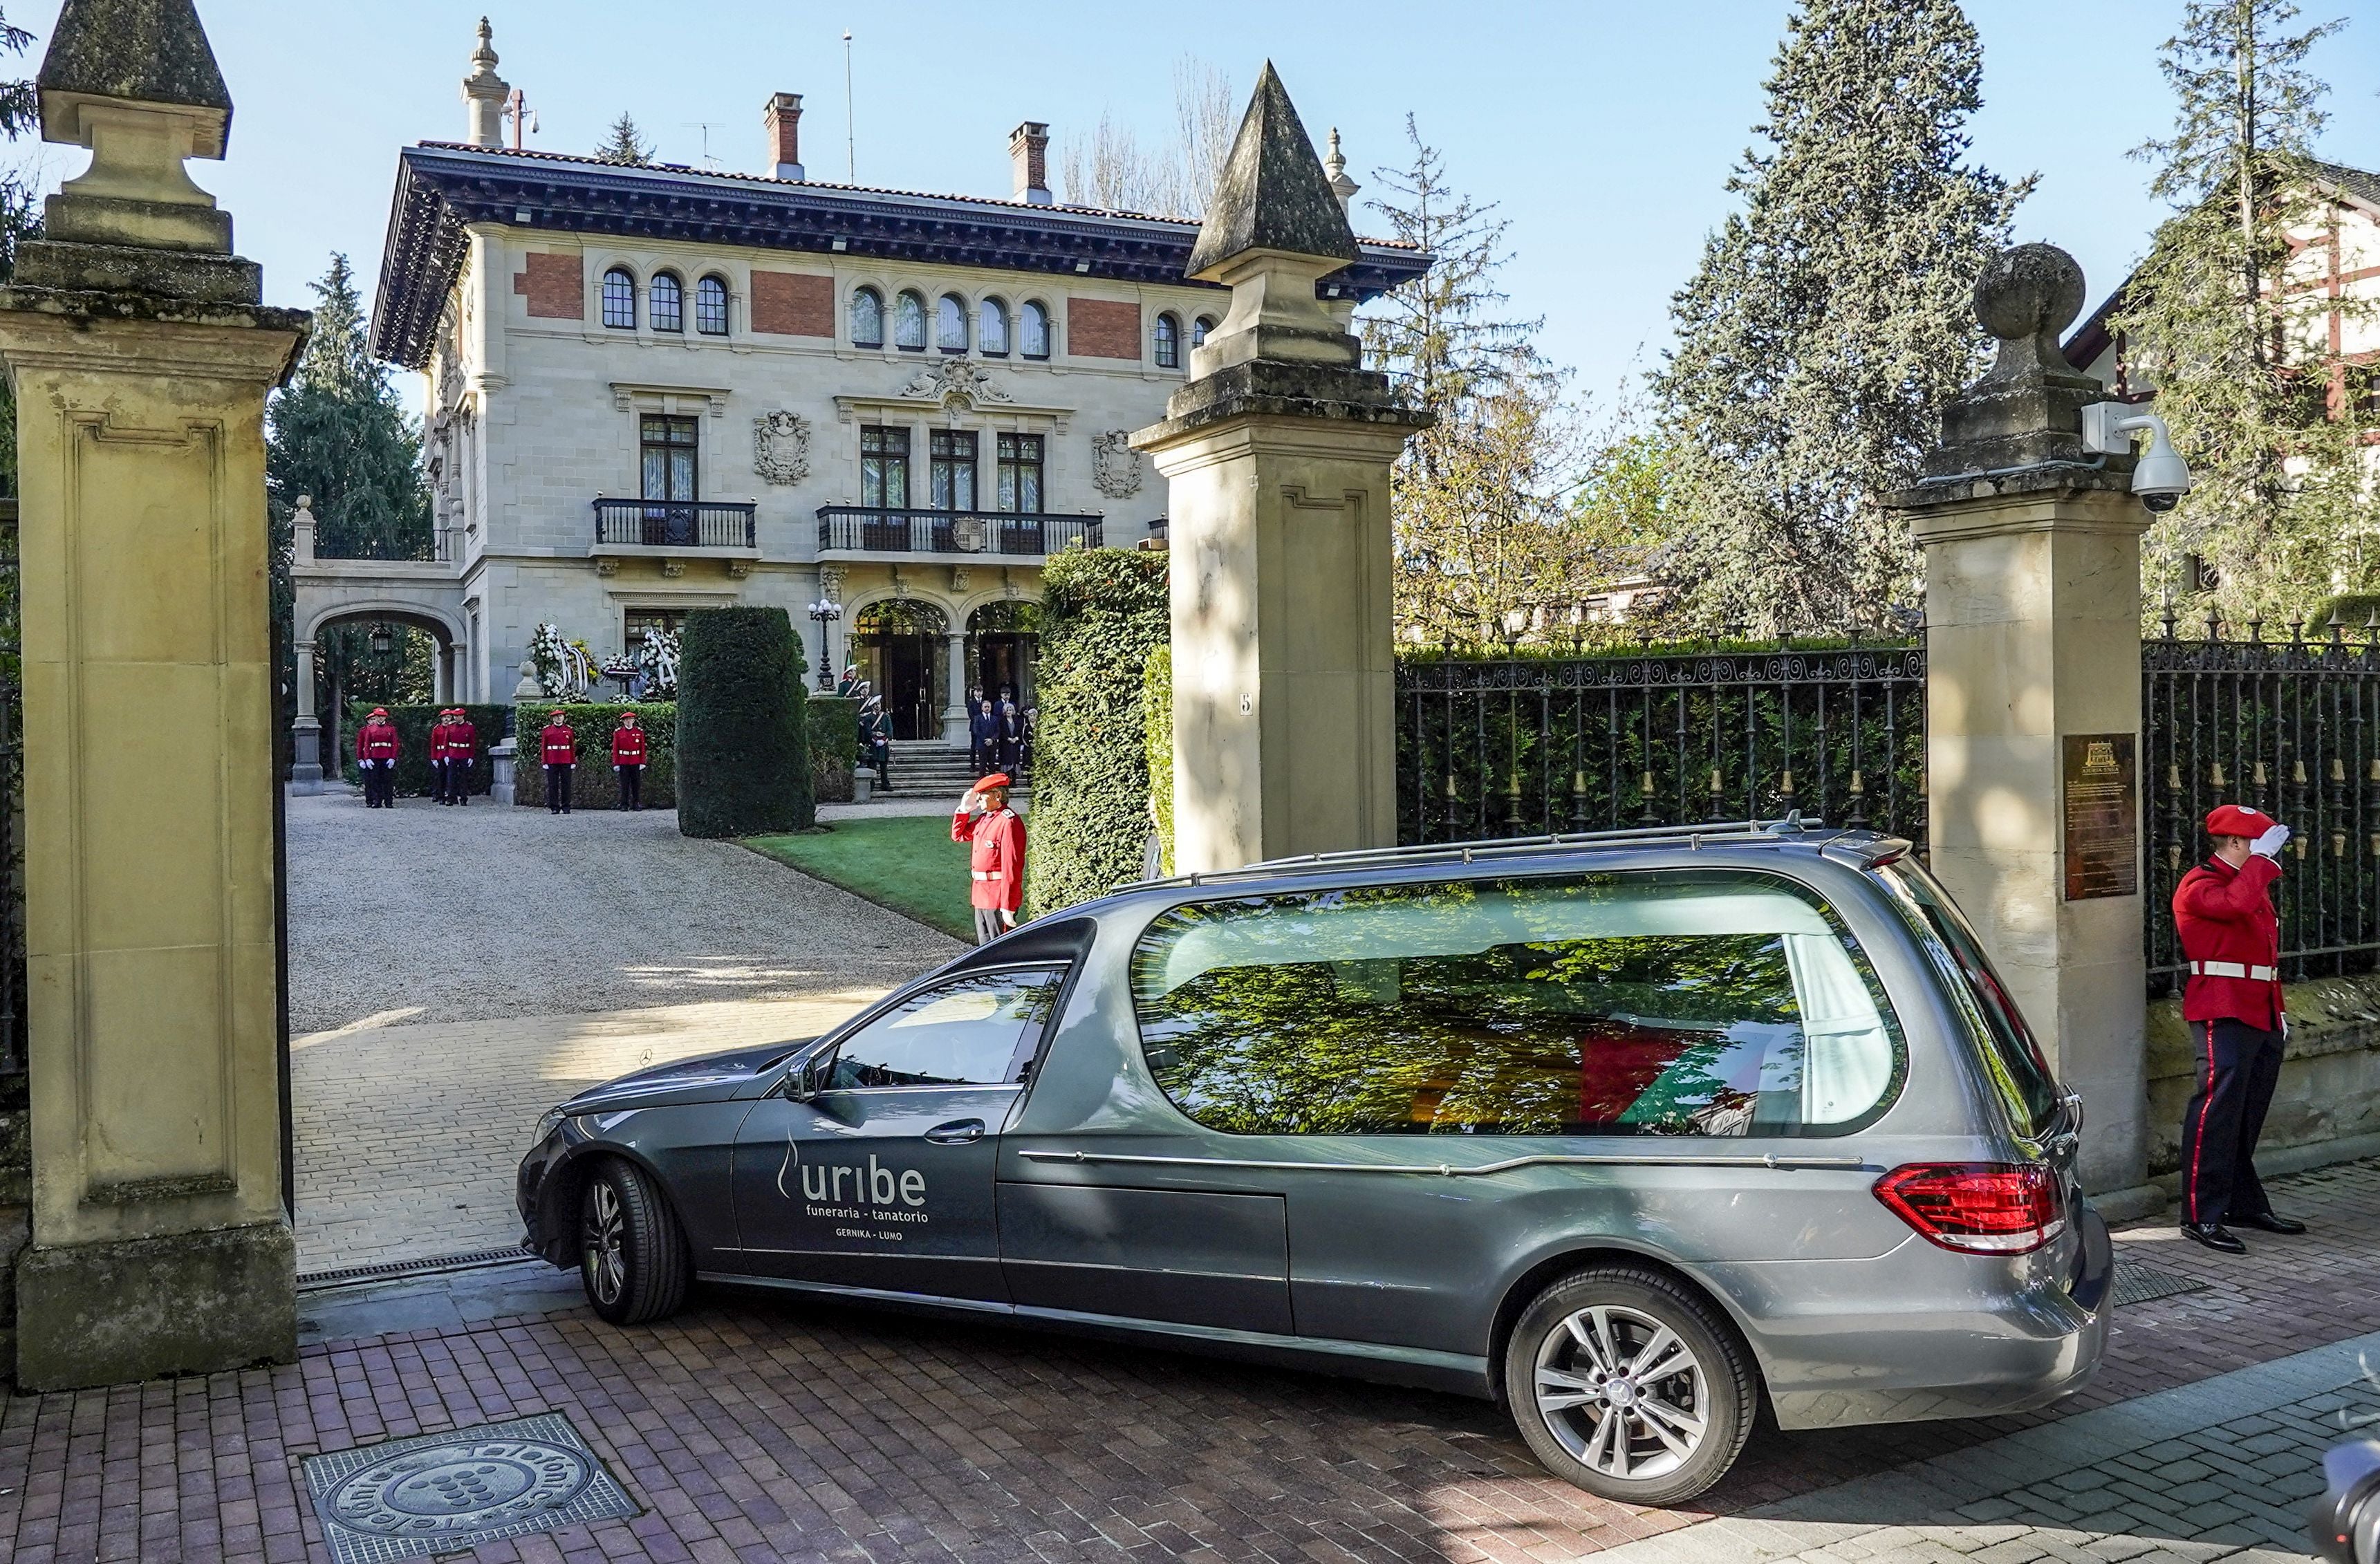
(2237, 1067)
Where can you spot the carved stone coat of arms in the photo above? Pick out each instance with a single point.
(780, 447)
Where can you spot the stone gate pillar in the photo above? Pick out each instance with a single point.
(140, 357)
(1278, 454)
(2033, 617)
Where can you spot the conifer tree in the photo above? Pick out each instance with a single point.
(623, 143)
(1829, 321)
(2232, 334)
(338, 433)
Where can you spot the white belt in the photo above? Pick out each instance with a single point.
(2233, 969)
(986, 873)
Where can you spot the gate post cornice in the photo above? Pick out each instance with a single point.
(2032, 616)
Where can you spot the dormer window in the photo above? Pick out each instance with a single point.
(665, 303)
(620, 299)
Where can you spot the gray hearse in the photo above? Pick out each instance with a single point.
(1629, 1132)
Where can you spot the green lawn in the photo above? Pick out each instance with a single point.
(907, 862)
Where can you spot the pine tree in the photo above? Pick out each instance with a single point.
(2221, 322)
(338, 433)
(623, 143)
(1830, 320)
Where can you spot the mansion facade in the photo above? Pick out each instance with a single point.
(652, 389)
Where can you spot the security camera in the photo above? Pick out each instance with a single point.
(2161, 478)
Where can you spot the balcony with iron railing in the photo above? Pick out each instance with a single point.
(711, 526)
(868, 530)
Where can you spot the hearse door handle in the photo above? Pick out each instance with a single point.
(958, 1132)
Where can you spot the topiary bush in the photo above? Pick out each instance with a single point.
(1157, 720)
(595, 785)
(834, 746)
(413, 725)
(1103, 611)
(743, 735)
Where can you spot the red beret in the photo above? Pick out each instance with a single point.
(2231, 820)
(997, 779)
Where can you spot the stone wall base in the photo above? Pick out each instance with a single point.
(2330, 1076)
(194, 1302)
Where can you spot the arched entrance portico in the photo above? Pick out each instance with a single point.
(1003, 641)
(312, 739)
(900, 644)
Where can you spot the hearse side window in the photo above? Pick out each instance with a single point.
(977, 1030)
(1702, 1002)
(2008, 1052)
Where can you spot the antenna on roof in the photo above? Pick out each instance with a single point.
(706, 126)
(850, 142)
(524, 118)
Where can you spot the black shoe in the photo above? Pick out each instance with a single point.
(2268, 1222)
(2215, 1236)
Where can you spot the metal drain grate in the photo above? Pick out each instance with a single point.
(469, 1259)
(2142, 1284)
(450, 1493)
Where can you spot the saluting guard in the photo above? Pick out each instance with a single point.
(2231, 937)
(377, 745)
(629, 761)
(462, 738)
(558, 747)
(997, 862)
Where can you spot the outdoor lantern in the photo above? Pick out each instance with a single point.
(381, 641)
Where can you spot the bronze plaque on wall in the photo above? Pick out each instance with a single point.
(2103, 817)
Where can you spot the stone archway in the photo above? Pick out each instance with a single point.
(314, 740)
(1003, 648)
(901, 646)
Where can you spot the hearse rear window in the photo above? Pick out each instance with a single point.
(1694, 1003)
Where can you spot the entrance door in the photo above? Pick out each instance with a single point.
(908, 687)
(884, 1179)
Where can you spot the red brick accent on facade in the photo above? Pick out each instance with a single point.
(793, 304)
(551, 287)
(1103, 328)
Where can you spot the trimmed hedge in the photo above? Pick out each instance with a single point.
(1157, 717)
(743, 736)
(595, 785)
(834, 746)
(413, 725)
(1103, 611)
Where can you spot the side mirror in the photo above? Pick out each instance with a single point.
(805, 1081)
(2346, 1520)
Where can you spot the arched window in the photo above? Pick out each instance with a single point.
(867, 317)
(909, 322)
(620, 299)
(950, 323)
(1198, 329)
(1169, 342)
(666, 300)
(992, 328)
(1033, 331)
(711, 306)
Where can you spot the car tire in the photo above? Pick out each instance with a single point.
(632, 1259)
(1570, 1376)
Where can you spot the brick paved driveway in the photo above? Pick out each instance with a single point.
(754, 1430)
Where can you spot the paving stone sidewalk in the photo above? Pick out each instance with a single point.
(754, 1429)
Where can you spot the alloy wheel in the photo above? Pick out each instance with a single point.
(1622, 1392)
(603, 1243)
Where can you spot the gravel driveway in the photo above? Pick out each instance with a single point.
(459, 914)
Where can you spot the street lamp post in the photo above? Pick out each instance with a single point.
(826, 611)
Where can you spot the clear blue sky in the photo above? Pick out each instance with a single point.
(1603, 128)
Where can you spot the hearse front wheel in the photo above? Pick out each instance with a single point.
(1630, 1385)
(631, 1256)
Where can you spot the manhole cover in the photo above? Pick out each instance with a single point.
(2142, 1284)
(446, 1493)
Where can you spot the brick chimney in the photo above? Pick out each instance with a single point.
(1029, 156)
(783, 119)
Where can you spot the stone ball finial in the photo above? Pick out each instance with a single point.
(2029, 291)
(305, 502)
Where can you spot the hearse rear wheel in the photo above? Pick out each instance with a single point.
(1629, 1385)
(632, 1259)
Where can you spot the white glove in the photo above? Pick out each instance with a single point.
(2271, 843)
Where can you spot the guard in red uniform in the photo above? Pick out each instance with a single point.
(629, 760)
(376, 750)
(986, 822)
(462, 738)
(2232, 941)
(558, 747)
(437, 755)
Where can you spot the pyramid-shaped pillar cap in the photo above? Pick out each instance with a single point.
(153, 54)
(1272, 194)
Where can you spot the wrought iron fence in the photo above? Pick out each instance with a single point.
(677, 524)
(1524, 747)
(2288, 727)
(866, 529)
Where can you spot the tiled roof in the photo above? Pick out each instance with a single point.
(443, 185)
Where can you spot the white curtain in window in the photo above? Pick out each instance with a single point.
(1847, 1060)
